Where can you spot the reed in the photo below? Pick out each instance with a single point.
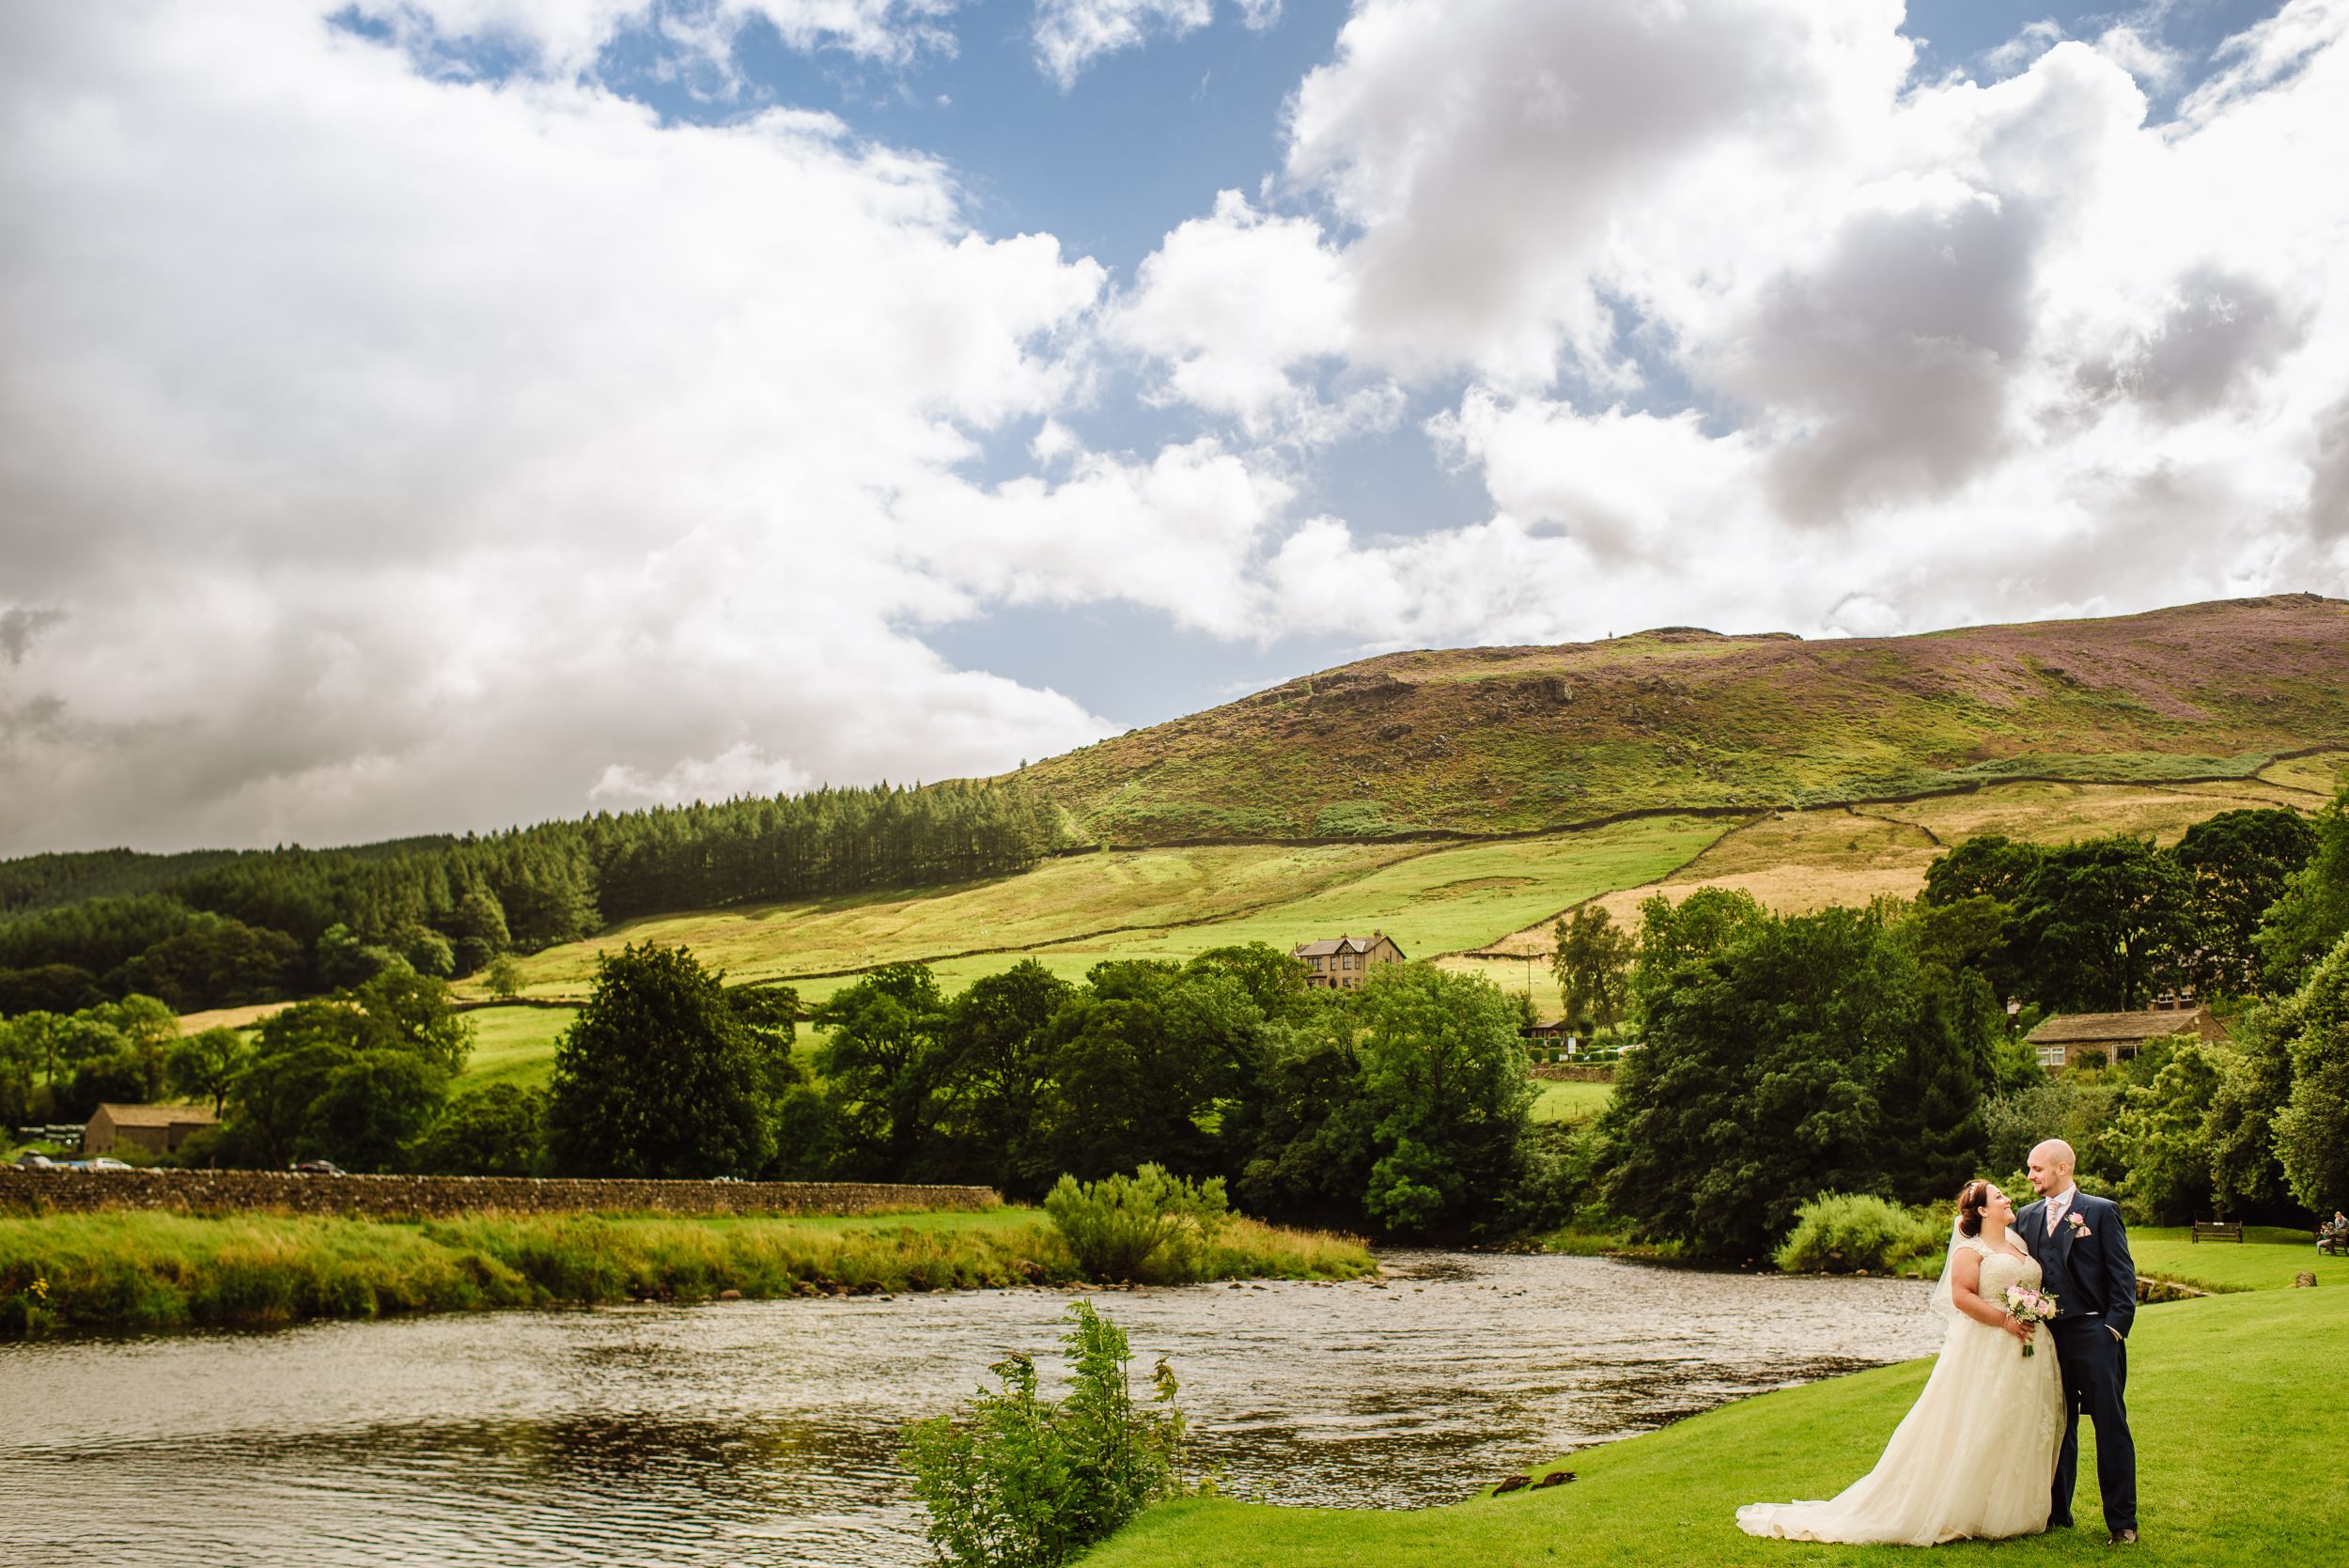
(136, 1272)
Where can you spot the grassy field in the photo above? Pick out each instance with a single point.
(2238, 1458)
(1796, 862)
(2265, 1259)
(1571, 1102)
(1166, 902)
(513, 1045)
(151, 1271)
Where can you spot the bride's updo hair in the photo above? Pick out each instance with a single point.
(1971, 1200)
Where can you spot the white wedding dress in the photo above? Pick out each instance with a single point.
(1974, 1456)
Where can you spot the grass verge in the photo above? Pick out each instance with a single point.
(2236, 1446)
(132, 1272)
(2265, 1259)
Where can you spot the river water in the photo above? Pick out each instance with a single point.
(764, 1433)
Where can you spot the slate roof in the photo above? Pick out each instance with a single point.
(157, 1115)
(2153, 1023)
(1343, 945)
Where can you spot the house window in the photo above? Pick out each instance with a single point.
(2051, 1056)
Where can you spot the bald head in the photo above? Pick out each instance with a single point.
(2052, 1167)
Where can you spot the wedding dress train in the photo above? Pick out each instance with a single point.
(1974, 1456)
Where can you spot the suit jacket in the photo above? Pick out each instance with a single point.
(2086, 1264)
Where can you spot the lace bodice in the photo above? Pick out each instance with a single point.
(2002, 1267)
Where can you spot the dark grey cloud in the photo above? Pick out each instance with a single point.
(1895, 359)
(19, 623)
(2328, 477)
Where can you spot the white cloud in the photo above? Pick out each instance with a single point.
(742, 769)
(384, 453)
(1239, 308)
(1070, 35)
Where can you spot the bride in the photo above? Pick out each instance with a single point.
(1975, 1455)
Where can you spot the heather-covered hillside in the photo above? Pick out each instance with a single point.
(1490, 740)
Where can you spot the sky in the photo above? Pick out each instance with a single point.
(423, 415)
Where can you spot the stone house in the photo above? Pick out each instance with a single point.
(2119, 1035)
(1341, 962)
(156, 1129)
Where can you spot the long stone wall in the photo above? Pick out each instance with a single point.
(1574, 1072)
(449, 1197)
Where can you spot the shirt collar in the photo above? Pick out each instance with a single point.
(2063, 1199)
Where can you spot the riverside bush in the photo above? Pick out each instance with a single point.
(1027, 1484)
(1122, 1227)
(1844, 1232)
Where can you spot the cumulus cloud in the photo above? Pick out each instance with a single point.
(1070, 35)
(1760, 329)
(383, 449)
(404, 452)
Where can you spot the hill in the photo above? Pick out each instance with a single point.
(1523, 739)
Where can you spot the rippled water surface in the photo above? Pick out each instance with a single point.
(764, 1432)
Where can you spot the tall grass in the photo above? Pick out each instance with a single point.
(153, 1271)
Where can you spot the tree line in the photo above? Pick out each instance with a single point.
(1882, 1051)
(221, 930)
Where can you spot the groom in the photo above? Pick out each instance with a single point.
(2084, 1258)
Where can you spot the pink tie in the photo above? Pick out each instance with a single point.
(2054, 1214)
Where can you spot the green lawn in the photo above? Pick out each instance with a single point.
(2265, 1259)
(2238, 1461)
(1571, 1102)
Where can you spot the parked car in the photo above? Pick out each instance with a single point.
(317, 1168)
(31, 1161)
(104, 1163)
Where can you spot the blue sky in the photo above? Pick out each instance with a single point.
(434, 413)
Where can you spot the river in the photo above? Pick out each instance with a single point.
(764, 1433)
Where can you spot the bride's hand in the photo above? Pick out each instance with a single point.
(2020, 1330)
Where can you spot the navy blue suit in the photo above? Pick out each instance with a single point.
(2086, 1264)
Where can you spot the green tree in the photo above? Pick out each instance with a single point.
(1795, 1061)
(1147, 1064)
(2254, 1084)
(659, 1076)
(995, 1076)
(2105, 923)
(1709, 921)
(204, 1065)
(415, 1011)
(2240, 862)
(2312, 915)
(2312, 1129)
(48, 988)
(1988, 865)
(880, 1063)
(1592, 961)
(1445, 1082)
(504, 977)
(2162, 1139)
(498, 1129)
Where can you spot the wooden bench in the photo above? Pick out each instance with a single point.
(2218, 1229)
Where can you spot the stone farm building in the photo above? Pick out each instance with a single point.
(156, 1129)
(2118, 1035)
(1341, 962)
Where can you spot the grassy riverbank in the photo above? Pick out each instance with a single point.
(2238, 1435)
(149, 1271)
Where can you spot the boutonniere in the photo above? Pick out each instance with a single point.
(2079, 1226)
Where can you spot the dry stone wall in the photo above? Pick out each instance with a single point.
(1573, 1072)
(448, 1197)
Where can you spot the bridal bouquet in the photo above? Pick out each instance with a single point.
(2030, 1306)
